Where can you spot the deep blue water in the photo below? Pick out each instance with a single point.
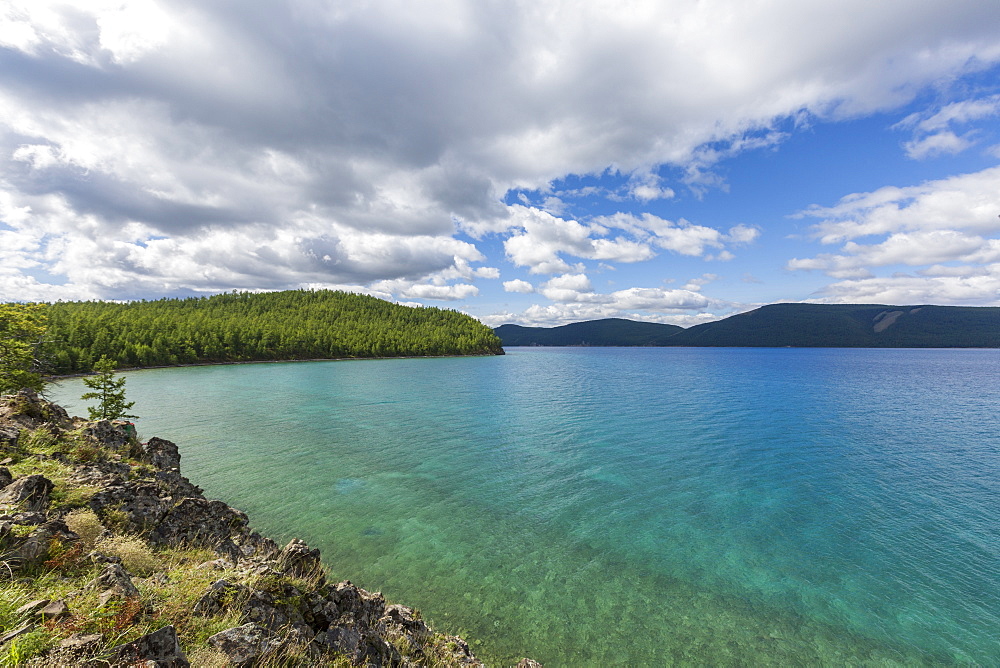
(642, 506)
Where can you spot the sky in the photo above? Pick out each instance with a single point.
(537, 162)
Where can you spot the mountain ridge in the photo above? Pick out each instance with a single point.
(787, 325)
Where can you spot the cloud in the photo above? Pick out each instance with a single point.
(517, 285)
(148, 146)
(542, 239)
(948, 229)
(941, 143)
(678, 307)
(682, 237)
(975, 289)
(968, 202)
(933, 129)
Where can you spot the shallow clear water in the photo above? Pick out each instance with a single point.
(598, 506)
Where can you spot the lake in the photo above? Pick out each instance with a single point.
(630, 506)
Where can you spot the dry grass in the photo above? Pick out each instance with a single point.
(85, 523)
(137, 557)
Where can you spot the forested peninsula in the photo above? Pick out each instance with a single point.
(244, 326)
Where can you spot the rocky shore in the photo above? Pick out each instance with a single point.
(111, 557)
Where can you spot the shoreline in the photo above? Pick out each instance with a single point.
(56, 378)
(195, 579)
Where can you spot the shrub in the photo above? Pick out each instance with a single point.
(136, 555)
(85, 523)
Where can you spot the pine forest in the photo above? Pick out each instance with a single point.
(244, 326)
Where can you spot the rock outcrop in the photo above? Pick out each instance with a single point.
(284, 610)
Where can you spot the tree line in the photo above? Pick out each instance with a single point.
(70, 337)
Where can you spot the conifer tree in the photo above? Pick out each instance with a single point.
(22, 328)
(110, 392)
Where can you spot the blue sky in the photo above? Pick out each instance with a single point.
(530, 162)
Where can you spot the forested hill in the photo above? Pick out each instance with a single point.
(608, 332)
(298, 324)
(800, 325)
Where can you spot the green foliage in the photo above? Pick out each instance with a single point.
(110, 392)
(22, 328)
(243, 326)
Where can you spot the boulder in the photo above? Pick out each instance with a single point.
(143, 503)
(220, 596)
(110, 435)
(34, 549)
(528, 663)
(401, 624)
(75, 650)
(200, 523)
(359, 604)
(8, 438)
(299, 561)
(159, 649)
(115, 582)
(44, 608)
(246, 645)
(161, 454)
(29, 493)
(27, 410)
(362, 646)
(101, 474)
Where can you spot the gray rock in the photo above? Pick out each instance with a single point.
(27, 519)
(364, 606)
(78, 640)
(528, 663)
(361, 645)
(101, 558)
(31, 607)
(30, 493)
(8, 438)
(34, 549)
(101, 474)
(110, 435)
(221, 595)
(245, 645)
(5, 477)
(29, 411)
(116, 580)
(400, 623)
(159, 649)
(200, 523)
(300, 561)
(10, 635)
(162, 454)
(55, 610)
(143, 504)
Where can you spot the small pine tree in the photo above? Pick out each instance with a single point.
(110, 392)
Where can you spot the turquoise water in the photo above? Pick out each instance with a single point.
(589, 506)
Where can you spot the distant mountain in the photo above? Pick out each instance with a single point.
(609, 332)
(795, 325)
